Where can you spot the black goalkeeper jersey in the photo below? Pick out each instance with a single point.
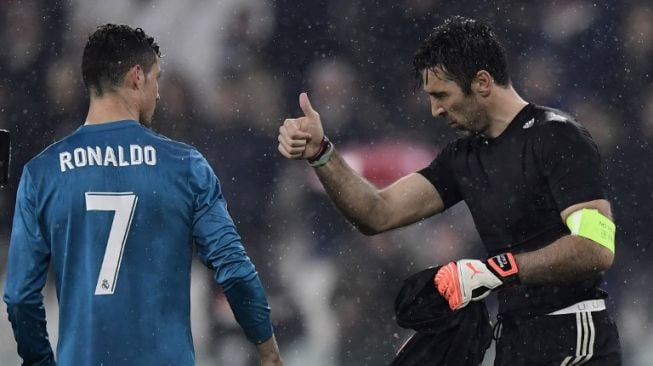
(516, 185)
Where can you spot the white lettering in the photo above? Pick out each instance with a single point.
(80, 157)
(136, 154)
(150, 155)
(106, 156)
(110, 157)
(121, 157)
(94, 155)
(65, 161)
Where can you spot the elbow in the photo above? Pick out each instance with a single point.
(373, 227)
(368, 230)
(606, 259)
(603, 257)
(376, 219)
(593, 256)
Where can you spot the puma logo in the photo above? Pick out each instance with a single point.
(473, 269)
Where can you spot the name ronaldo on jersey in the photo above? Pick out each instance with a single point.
(107, 156)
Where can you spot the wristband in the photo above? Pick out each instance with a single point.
(504, 266)
(323, 154)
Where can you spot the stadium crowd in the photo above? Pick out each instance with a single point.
(232, 72)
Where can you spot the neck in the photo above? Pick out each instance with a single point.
(112, 106)
(503, 109)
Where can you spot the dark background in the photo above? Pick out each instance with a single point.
(232, 73)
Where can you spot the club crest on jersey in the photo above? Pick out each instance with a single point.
(107, 156)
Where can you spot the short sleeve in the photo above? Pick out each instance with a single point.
(570, 162)
(441, 174)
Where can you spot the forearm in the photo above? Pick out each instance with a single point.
(269, 352)
(30, 330)
(247, 301)
(569, 259)
(250, 307)
(358, 200)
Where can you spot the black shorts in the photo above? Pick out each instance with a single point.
(584, 338)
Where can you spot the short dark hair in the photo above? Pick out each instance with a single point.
(111, 51)
(461, 47)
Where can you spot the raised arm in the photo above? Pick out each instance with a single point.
(372, 211)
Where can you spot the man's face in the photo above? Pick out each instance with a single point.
(460, 111)
(150, 94)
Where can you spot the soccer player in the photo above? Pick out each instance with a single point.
(115, 208)
(532, 179)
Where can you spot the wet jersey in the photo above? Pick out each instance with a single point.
(516, 185)
(115, 209)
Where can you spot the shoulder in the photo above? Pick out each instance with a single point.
(556, 135)
(165, 140)
(177, 149)
(552, 122)
(43, 159)
(551, 126)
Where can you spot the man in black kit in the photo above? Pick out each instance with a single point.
(532, 179)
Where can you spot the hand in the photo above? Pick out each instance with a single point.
(471, 280)
(300, 138)
(272, 362)
(269, 352)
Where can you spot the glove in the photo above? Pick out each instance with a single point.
(471, 280)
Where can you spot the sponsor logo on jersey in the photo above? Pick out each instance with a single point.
(529, 124)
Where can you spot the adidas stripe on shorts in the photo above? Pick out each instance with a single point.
(587, 338)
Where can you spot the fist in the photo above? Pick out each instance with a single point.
(300, 138)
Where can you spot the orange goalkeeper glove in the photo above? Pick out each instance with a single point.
(471, 279)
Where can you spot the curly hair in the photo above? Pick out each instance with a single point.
(461, 47)
(111, 51)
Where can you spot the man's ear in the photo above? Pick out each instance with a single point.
(135, 77)
(483, 83)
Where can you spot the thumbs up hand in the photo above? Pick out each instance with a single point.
(300, 138)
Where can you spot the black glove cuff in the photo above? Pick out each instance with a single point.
(504, 267)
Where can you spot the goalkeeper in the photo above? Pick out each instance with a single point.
(532, 179)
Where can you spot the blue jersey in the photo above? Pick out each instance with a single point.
(115, 209)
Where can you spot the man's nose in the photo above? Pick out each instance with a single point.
(436, 110)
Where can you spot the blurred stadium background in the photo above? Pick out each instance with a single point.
(233, 70)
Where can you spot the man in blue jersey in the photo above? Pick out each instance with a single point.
(114, 208)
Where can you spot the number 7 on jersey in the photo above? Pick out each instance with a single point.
(123, 205)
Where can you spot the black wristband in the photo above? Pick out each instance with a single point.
(504, 267)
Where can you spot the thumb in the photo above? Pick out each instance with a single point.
(306, 106)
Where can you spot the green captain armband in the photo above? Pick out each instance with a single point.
(591, 224)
